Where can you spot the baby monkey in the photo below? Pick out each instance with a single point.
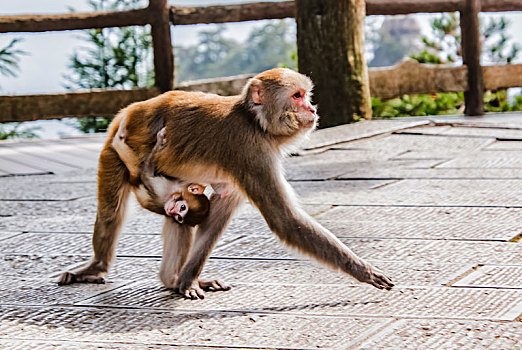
(184, 202)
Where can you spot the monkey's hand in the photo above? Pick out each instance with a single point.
(372, 275)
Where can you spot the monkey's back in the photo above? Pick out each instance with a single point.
(218, 122)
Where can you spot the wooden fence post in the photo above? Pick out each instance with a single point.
(470, 43)
(162, 46)
(330, 45)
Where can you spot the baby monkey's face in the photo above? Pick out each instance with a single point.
(177, 206)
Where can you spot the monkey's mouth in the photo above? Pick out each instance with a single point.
(308, 123)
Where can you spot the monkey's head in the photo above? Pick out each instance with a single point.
(189, 206)
(280, 99)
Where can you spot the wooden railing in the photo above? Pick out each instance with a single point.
(406, 78)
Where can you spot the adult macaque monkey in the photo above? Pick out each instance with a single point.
(215, 139)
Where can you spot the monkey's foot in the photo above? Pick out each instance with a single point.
(71, 277)
(193, 291)
(213, 286)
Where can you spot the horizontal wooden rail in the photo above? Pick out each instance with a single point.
(103, 103)
(227, 13)
(402, 7)
(70, 21)
(232, 13)
(408, 77)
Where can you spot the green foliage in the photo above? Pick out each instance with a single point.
(12, 130)
(9, 58)
(114, 58)
(444, 47)
(426, 57)
(418, 105)
(215, 56)
(446, 38)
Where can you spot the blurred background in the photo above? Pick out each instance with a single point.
(54, 62)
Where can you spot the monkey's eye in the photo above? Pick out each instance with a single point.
(179, 218)
(183, 207)
(297, 95)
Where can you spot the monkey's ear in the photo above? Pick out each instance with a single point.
(257, 92)
(196, 189)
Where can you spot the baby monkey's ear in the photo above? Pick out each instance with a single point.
(196, 189)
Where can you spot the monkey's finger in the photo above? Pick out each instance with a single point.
(382, 282)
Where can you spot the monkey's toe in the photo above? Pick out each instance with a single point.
(66, 278)
(214, 286)
(193, 294)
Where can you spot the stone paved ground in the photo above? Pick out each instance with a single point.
(436, 203)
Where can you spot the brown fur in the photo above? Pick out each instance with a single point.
(212, 139)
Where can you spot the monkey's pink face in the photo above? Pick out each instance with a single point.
(176, 207)
(306, 112)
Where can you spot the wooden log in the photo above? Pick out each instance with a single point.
(330, 43)
(410, 77)
(226, 86)
(70, 21)
(500, 5)
(406, 78)
(232, 13)
(228, 13)
(162, 45)
(399, 7)
(502, 77)
(103, 103)
(470, 29)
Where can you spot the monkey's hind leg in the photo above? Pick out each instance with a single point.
(177, 240)
(207, 234)
(113, 194)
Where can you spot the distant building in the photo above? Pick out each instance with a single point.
(399, 36)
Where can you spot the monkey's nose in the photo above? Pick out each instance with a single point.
(313, 110)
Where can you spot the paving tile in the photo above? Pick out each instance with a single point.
(464, 252)
(342, 133)
(8, 166)
(219, 329)
(20, 344)
(4, 235)
(399, 143)
(33, 291)
(425, 172)
(505, 146)
(341, 193)
(27, 266)
(80, 244)
(425, 214)
(436, 334)
(423, 229)
(505, 160)
(46, 190)
(489, 132)
(493, 276)
(359, 301)
(334, 163)
(455, 185)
